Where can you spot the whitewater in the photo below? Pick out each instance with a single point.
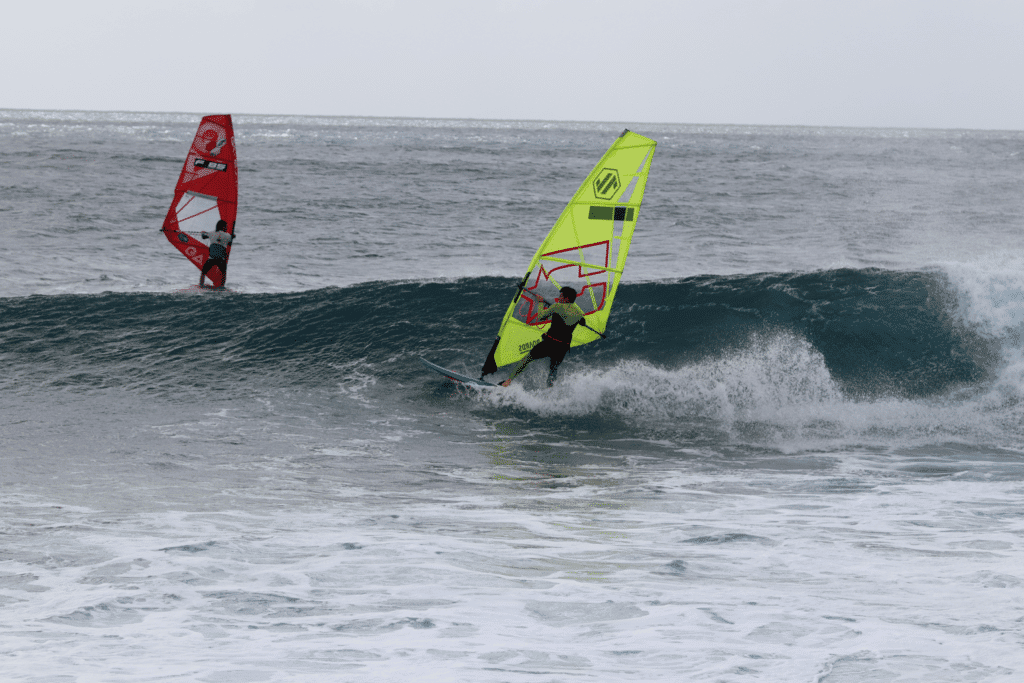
(797, 457)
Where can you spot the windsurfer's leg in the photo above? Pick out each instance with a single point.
(556, 360)
(206, 269)
(553, 370)
(210, 264)
(519, 368)
(552, 373)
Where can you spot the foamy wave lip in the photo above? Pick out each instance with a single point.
(990, 300)
(771, 373)
(990, 294)
(777, 390)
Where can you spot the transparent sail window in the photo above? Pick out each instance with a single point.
(197, 213)
(585, 273)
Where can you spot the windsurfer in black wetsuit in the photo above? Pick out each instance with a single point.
(219, 241)
(565, 316)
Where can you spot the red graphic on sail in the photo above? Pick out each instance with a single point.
(207, 192)
(591, 283)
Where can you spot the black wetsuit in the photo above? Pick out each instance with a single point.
(555, 343)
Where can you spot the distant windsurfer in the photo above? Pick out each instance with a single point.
(565, 316)
(219, 242)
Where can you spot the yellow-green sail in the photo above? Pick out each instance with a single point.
(586, 250)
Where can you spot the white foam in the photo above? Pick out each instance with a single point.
(778, 392)
(652, 578)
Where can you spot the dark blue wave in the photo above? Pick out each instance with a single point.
(880, 332)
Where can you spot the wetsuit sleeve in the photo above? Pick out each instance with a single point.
(567, 311)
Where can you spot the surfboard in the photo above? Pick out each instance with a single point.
(196, 289)
(458, 377)
(206, 192)
(586, 249)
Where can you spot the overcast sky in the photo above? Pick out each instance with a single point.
(881, 63)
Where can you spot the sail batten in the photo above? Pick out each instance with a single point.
(586, 249)
(583, 264)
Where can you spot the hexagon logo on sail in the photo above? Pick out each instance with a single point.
(607, 183)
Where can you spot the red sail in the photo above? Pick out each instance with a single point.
(207, 192)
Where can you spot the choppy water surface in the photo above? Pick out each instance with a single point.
(797, 456)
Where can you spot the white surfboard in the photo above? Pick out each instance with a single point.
(456, 376)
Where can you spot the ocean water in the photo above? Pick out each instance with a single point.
(797, 457)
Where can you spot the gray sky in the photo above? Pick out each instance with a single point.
(891, 63)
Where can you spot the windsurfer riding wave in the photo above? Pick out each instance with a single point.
(555, 343)
(219, 242)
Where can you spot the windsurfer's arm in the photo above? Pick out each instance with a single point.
(549, 309)
(583, 322)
